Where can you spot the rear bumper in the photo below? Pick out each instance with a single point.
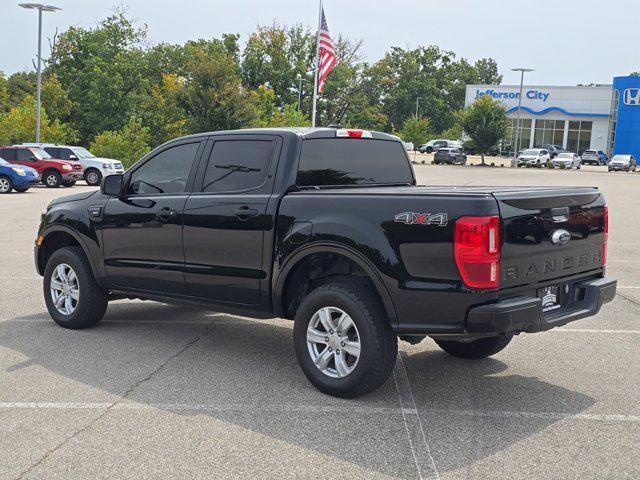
(524, 314)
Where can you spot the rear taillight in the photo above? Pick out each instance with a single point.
(476, 249)
(606, 235)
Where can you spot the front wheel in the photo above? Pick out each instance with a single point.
(52, 179)
(93, 177)
(6, 185)
(73, 297)
(68, 184)
(21, 190)
(343, 339)
(481, 348)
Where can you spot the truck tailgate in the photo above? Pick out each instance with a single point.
(550, 233)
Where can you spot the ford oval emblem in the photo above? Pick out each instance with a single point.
(560, 237)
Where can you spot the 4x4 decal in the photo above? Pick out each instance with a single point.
(412, 218)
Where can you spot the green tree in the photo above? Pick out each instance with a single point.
(18, 125)
(127, 145)
(415, 130)
(55, 99)
(4, 93)
(485, 122)
(102, 71)
(214, 97)
(161, 111)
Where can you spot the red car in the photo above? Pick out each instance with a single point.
(53, 172)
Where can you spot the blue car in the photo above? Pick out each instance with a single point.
(17, 177)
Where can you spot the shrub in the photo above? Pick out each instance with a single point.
(562, 166)
(127, 145)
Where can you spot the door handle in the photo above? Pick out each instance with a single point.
(246, 212)
(166, 214)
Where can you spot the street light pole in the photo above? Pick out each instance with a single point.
(417, 106)
(514, 160)
(41, 8)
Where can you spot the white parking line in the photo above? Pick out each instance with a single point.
(316, 409)
(593, 330)
(628, 287)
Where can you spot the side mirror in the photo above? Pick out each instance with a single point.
(111, 185)
(32, 158)
(73, 157)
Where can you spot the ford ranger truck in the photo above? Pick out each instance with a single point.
(328, 228)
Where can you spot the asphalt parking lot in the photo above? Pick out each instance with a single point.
(160, 391)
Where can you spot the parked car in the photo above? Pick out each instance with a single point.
(53, 172)
(275, 223)
(568, 159)
(450, 155)
(94, 168)
(16, 177)
(594, 157)
(554, 150)
(534, 156)
(627, 163)
(434, 145)
(408, 146)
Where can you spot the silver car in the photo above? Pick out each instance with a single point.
(625, 163)
(568, 159)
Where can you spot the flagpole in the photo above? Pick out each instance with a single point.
(317, 68)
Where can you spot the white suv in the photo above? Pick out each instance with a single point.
(534, 156)
(94, 168)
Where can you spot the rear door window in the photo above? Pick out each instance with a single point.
(237, 165)
(8, 154)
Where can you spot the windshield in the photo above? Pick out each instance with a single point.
(531, 151)
(565, 155)
(39, 153)
(589, 152)
(621, 158)
(81, 152)
(339, 161)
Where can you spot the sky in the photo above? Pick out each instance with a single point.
(566, 41)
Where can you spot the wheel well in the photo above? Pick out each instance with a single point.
(52, 242)
(314, 270)
(49, 170)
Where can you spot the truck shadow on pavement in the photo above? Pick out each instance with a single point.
(244, 373)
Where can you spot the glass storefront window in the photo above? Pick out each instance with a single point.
(548, 132)
(615, 100)
(579, 138)
(524, 137)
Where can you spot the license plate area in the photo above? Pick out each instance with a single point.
(552, 297)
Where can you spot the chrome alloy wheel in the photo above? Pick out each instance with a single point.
(93, 178)
(52, 180)
(65, 290)
(5, 186)
(333, 342)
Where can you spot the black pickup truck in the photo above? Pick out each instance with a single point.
(328, 227)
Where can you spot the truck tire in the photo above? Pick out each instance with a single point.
(344, 363)
(52, 179)
(92, 177)
(73, 297)
(481, 348)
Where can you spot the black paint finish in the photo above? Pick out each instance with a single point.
(234, 250)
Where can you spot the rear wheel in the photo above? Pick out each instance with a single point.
(429, 150)
(52, 179)
(343, 339)
(21, 190)
(6, 185)
(73, 297)
(481, 348)
(93, 177)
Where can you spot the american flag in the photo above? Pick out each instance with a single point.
(326, 55)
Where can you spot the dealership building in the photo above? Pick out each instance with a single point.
(578, 118)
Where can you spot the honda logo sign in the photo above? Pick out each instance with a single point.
(631, 96)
